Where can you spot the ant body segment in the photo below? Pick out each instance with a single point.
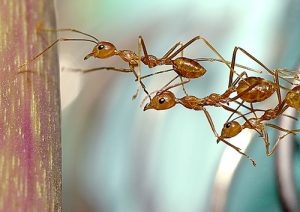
(166, 100)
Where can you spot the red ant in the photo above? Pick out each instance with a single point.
(184, 67)
(233, 128)
(166, 99)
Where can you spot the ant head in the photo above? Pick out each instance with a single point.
(102, 50)
(231, 129)
(292, 97)
(161, 101)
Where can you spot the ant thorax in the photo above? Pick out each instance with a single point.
(129, 57)
(252, 123)
(191, 102)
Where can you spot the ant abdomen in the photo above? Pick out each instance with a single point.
(188, 68)
(293, 97)
(262, 89)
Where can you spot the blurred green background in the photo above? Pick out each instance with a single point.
(117, 158)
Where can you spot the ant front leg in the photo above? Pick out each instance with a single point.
(124, 70)
(224, 141)
(141, 83)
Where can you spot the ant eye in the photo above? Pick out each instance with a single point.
(161, 100)
(101, 47)
(228, 125)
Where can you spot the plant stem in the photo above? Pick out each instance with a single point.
(30, 147)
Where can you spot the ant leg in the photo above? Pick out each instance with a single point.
(294, 131)
(237, 80)
(124, 70)
(282, 71)
(177, 84)
(183, 86)
(172, 50)
(266, 140)
(181, 79)
(282, 137)
(166, 85)
(252, 109)
(224, 141)
(155, 73)
(50, 46)
(289, 74)
(102, 68)
(209, 46)
(141, 83)
(250, 56)
(141, 45)
(139, 69)
(146, 55)
(208, 59)
(276, 80)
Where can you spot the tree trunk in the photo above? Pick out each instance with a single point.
(30, 148)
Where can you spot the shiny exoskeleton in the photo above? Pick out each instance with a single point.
(257, 90)
(233, 128)
(183, 66)
(166, 99)
(262, 90)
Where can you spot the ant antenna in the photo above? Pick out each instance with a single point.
(39, 28)
(51, 45)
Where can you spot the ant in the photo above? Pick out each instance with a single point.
(166, 99)
(183, 66)
(233, 128)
